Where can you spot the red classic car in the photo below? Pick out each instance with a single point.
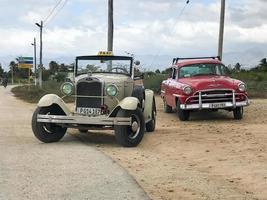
(202, 83)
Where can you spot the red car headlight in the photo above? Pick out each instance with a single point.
(187, 90)
(242, 87)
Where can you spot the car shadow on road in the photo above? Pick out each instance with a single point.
(205, 115)
(95, 137)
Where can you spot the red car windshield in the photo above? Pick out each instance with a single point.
(202, 70)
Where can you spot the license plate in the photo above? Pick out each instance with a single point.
(217, 105)
(89, 111)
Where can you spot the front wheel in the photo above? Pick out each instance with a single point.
(47, 132)
(238, 113)
(182, 114)
(130, 136)
(166, 107)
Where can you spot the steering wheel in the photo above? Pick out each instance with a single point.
(119, 68)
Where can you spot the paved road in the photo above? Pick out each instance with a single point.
(65, 170)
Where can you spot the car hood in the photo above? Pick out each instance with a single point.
(209, 82)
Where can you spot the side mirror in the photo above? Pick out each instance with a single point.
(137, 62)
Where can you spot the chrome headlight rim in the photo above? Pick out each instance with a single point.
(67, 88)
(242, 87)
(112, 90)
(188, 90)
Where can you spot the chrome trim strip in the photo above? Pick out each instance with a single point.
(234, 100)
(200, 100)
(61, 119)
(176, 95)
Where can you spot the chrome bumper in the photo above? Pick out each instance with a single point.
(106, 121)
(213, 105)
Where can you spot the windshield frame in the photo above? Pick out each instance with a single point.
(106, 58)
(191, 65)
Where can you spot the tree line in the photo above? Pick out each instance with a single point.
(55, 71)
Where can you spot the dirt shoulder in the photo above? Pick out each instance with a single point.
(210, 157)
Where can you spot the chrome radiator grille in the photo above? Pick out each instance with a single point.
(89, 94)
(213, 96)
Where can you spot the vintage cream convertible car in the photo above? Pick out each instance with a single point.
(106, 96)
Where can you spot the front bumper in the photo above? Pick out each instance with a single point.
(218, 101)
(86, 120)
(221, 105)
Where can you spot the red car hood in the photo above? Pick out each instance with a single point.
(209, 82)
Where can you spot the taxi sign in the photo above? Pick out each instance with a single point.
(105, 53)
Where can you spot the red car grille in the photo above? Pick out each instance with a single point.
(214, 96)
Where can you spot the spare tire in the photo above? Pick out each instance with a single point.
(139, 93)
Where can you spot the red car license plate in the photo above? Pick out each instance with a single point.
(217, 105)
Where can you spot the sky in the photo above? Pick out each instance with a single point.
(153, 30)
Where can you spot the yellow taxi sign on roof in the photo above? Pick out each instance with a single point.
(105, 53)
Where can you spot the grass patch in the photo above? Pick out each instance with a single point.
(32, 93)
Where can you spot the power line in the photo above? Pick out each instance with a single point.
(177, 18)
(58, 11)
(51, 12)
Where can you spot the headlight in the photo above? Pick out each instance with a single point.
(67, 88)
(242, 87)
(187, 90)
(112, 90)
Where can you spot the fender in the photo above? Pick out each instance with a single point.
(148, 105)
(51, 99)
(129, 103)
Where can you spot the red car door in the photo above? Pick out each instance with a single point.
(170, 88)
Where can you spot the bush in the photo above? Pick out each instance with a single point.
(32, 94)
(154, 81)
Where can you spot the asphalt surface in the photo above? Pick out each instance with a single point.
(69, 169)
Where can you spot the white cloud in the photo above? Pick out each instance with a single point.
(141, 26)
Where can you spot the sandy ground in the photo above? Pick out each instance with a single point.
(210, 157)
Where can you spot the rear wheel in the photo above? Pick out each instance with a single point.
(47, 132)
(150, 126)
(182, 114)
(130, 136)
(238, 113)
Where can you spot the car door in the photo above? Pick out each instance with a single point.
(170, 89)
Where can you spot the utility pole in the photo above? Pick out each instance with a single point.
(221, 31)
(110, 25)
(110, 30)
(12, 74)
(41, 53)
(34, 45)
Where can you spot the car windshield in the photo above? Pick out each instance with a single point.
(202, 70)
(104, 65)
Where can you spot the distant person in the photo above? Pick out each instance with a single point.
(4, 80)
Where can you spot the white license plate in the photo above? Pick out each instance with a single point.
(89, 111)
(217, 105)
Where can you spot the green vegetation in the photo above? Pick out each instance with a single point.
(255, 78)
(32, 94)
(154, 80)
